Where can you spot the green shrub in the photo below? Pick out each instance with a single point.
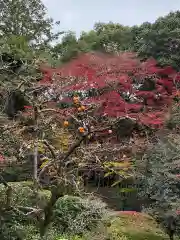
(15, 225)
(159, 189)
(76, 215)
(23, 194)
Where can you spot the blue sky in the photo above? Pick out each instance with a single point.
(80, 15)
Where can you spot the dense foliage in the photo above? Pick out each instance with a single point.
(159, 40)
(65, 126)
(160, 183)
(121, 86)
(76, 216)
(26, 19)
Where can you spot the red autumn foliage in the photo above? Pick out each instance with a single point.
(125, 86)
(28, 107)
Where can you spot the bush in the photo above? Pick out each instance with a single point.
(76, 215)
(160, 183)
(32, 233)
(14, 225)
(23, 194)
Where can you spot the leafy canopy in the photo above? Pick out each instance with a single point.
(26, 18)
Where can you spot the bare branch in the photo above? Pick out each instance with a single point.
(70, 151)
(50, 148)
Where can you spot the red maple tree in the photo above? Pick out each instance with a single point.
(120, 86)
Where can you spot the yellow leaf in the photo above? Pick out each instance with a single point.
(41, 147)
(44, 164)
(121, 173)
(108, 174)
(116, 183)
(125, 169)
(62, 141)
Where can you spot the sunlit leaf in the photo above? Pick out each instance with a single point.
(108, 174)
(44, 164)
(41, 149)
(116, 183)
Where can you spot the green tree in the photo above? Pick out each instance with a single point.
(26, 18)
(159, 186)
(67, 48)
(112, 34)
(160, 40)
(109, 37)
(104, 37)
(89, 41)
(70, 46)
